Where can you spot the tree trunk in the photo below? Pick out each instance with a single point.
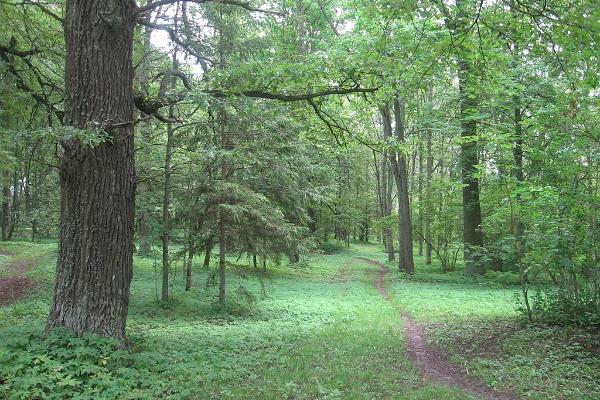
(401, 177)
(222, 245)
(420, 197)
(207, 253)
(95, 258)
(472, 234)
(387, 183)
(518, 149)
(428, 199)
(5, 221)
(188, 268)
(14, 205)
(165, 210)
(144, 215)
(399, 170)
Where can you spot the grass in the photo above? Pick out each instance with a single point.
(476, 321)
(315, 331)
(318, 332)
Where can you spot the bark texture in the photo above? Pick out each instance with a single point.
(95, 260)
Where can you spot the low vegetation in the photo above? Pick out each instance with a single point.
(320, 331)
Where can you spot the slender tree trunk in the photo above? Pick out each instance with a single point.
(399, 169)
(144, 214)
(166, 215)
(388, 183)
(420, 197)
(428, 199)
(188, 268)
(401, 177)
(5, 221)
(472, 234)
(518, 149)
(165, 211)
(222, 241)
(207, 253)
(95, 257)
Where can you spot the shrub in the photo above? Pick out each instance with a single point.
(57, 366)
(332, 247)
(507, 278)
(566, 307)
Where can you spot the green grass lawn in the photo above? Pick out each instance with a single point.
(320, 331)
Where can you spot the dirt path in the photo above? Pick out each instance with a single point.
(432, 362)
(16, 286)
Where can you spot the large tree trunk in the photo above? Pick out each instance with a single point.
(95, 260)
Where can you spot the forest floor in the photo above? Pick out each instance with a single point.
(342, 326)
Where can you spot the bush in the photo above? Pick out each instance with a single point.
(566, 307)
(507, 278)
(60, 366)
(332, 247)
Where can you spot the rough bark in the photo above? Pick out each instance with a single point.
(95, 260)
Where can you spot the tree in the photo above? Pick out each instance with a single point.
(94, 266)
(459, 27)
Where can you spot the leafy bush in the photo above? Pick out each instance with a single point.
(332, 247)
(507, 278)
(566, 307)
(60, 366)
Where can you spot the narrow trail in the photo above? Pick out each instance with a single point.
(17, 285)
(433, 363)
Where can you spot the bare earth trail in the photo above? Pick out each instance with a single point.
(17, 285)
(433, 364)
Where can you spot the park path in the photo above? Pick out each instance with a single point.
(433, 363)
(16, 285)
